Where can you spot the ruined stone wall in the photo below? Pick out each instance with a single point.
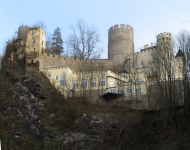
(35, 43)
(75, 64)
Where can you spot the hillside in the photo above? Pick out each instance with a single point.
(34, 115)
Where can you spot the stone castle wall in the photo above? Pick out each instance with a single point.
(120, 44)
(74, 64)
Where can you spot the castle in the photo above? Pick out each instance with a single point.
(123, 75)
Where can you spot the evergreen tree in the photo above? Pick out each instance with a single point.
(57, 44)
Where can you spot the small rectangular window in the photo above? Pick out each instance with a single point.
(42, 42)
(93, 83)
(115, 83)
(34, 49)
(138, 90)
(32, 32)
(49, 75)
(132, 65)
(128, 91)
(102, 81)
(153, 72)
(42, 34)
(141, 62)
(63, 79)
(34, 41)
(56, 77)
(120, 91)
(112, 90)
(75, 84)
(162, 67)
(62, 82)
(152, 60)
(83, 83)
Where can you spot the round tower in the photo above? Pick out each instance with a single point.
(163, 39)
(164, 43)
(120, 43)
(23, 32)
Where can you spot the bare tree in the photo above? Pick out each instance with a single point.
(48, 43)
(39, 23)
(183, 41)
(83, 41)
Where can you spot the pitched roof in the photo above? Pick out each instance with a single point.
(179, 53)
(123, 71)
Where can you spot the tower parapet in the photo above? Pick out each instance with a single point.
(120, 44)
(164, 38)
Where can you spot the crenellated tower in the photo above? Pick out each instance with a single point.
(120, 44)
(164, 38)
(164, 43)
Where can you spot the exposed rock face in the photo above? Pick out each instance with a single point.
(29, 122)
(26, 125)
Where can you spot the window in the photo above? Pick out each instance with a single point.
(124, 75)
(75, 84)
(112, 90)
(141, 62)
(138, 90)
(162, 67)
(34, 49)
(132, 65)
(152, 60)
(62, 82)
(182, 72)
(128, 91)
(153, 72)
(63, 79)
(42, 34)
(42, 42)
(167, 55)
(32, 32)
(56, 77)
(120, 91)
(34, 41)
(138, 80)
(49, 75)
(93, 83)
(101, 81)
(84, 83)
(115, 83)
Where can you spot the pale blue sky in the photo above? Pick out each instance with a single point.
(147, 17)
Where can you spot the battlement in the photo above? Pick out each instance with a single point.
(103, 73)
(59, 61)
(165, 35)
(73, 59)
(55, 68)
(148, 50)
(147, 46)
(122, 26)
